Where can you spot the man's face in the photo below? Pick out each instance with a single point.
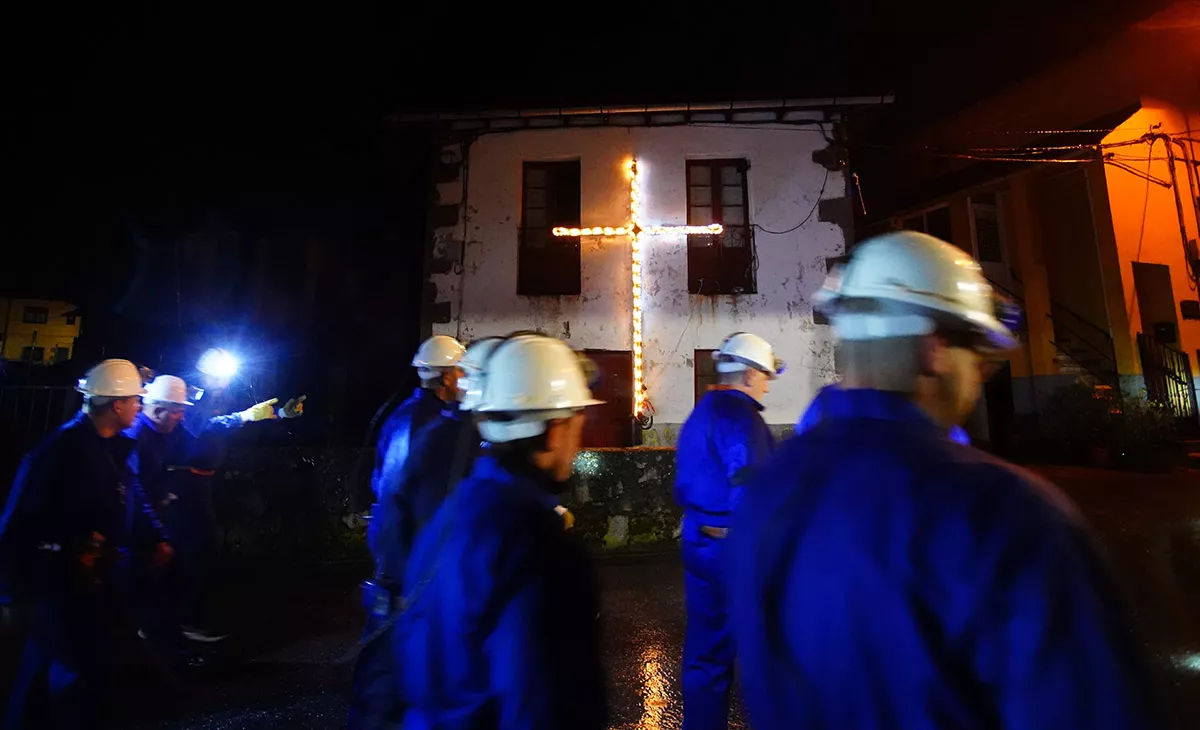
(165, 416)
(961, 371)
(563, 439)
(127, 409)
(758, 384)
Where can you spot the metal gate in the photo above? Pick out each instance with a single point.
(28, 412)
(1168, 374)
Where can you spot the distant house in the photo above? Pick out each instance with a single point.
(38, 331)
(644, 236)
(1079, 190)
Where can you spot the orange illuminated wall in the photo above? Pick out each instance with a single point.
(1145, 214)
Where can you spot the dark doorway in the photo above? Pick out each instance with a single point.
(1001, 413)
(611, 424)
(1156, 302)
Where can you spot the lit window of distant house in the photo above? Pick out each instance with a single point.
(33, 354)
(716, 193)
(36, 315)
(548, 265)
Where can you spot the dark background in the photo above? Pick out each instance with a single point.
(207, 175)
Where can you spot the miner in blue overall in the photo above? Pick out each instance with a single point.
(723, 441)
(887, 577)
(210, 420)
(499, 625)
(75, 517)
(436, 362)
(161, 462)
(816, 411)
(412, 486)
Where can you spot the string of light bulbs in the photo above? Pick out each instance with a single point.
(636, 229)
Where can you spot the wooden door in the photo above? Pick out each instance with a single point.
(612, 423)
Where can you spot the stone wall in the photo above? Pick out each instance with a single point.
(306, 505)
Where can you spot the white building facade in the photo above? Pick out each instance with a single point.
(496, 265)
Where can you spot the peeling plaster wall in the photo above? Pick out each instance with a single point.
(784, 184)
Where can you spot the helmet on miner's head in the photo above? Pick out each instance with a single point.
(913, 282)
(473, 362)
(436, 355)
(742, 350)
(112, 379)
(112, 387)
(530, 380)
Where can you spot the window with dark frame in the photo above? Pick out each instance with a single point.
(704, 372)
(70, 320)
(725, 263)
(549, 265)
(60, 354)
(987, 228)
(36, 315)
(33, 354)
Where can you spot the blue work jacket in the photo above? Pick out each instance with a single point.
(888, 577)
(73, 484)
(502, 625)
(720, 444)
(412, 489)
(397, 431)
(816, 410)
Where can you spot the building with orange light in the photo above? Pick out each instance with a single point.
(644, 236)
(1079, 191)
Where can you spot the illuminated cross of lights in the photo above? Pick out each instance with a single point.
(636, 230)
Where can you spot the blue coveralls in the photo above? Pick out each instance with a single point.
(73, 484)
(411, 491)
(889, 578)
(816, 410)
(721, 443)
(502, 626)
(163, 465)
(409, 417)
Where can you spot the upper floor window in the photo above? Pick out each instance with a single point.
(71, 319)
(36, 315)
(548, 265)
(725, 263)
(33, 354)
(987, 228)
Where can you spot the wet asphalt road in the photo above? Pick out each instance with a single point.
(293, 671)
(289, 662)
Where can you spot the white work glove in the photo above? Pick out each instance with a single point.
(260, 411)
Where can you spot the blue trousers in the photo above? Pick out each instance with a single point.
(708, 653)
(374, 699)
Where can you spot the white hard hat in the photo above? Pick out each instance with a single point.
(168, 389)
(742, 350)
(472, 363)
(436, 354)
(530, 379)
(112, 379)
(914, 278)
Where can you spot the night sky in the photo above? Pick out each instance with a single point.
(125, 134)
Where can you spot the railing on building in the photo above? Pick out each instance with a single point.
(1097, 356)
(1168, 374)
